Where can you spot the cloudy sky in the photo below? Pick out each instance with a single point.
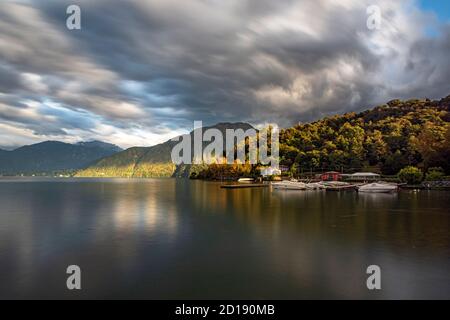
(141, 71)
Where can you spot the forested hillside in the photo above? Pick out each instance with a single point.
(152, 161)
(386, 139)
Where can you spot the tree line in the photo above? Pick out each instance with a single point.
(385, 139)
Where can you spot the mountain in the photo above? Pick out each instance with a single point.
(100, 145)
(384, 139)
(152, 161)
(51, 156)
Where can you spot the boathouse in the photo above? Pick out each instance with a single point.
(330, 176)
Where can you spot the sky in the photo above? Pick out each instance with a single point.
(140, 72)
(441, 8)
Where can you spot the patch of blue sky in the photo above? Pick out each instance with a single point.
(69, 117)
(441, 8)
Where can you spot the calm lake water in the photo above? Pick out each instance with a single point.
(179, 239)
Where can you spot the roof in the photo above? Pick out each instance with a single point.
(365, 174)
(331, 172)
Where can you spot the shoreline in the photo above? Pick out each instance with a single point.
(429, 185)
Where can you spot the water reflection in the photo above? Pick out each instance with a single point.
(190, 239)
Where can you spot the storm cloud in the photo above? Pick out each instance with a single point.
(140, 72)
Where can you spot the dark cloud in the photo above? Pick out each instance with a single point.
(155, 66)
(9, 79)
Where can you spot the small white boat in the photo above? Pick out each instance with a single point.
(290, 185)
(334, 183)
(246, 180)
(315, 186)
(339, 186)
(378, 187)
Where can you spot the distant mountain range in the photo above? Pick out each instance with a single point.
(152, 161)
(385, 139)
(52, 156)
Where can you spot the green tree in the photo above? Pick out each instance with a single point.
(375, 147)
(410, 175)
(430, 144)
(394, 162)
(435, 174)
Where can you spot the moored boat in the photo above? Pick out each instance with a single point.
(336, 185)
(377, 187)
(315, 186)
(246, 180)
(290, 185)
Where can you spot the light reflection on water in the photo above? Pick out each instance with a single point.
(167, 238)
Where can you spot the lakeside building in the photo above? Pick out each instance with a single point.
(331, 176)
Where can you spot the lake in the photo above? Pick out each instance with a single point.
(182, 239)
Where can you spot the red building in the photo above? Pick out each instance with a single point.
(330, 176)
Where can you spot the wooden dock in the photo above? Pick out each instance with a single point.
(244, 185)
